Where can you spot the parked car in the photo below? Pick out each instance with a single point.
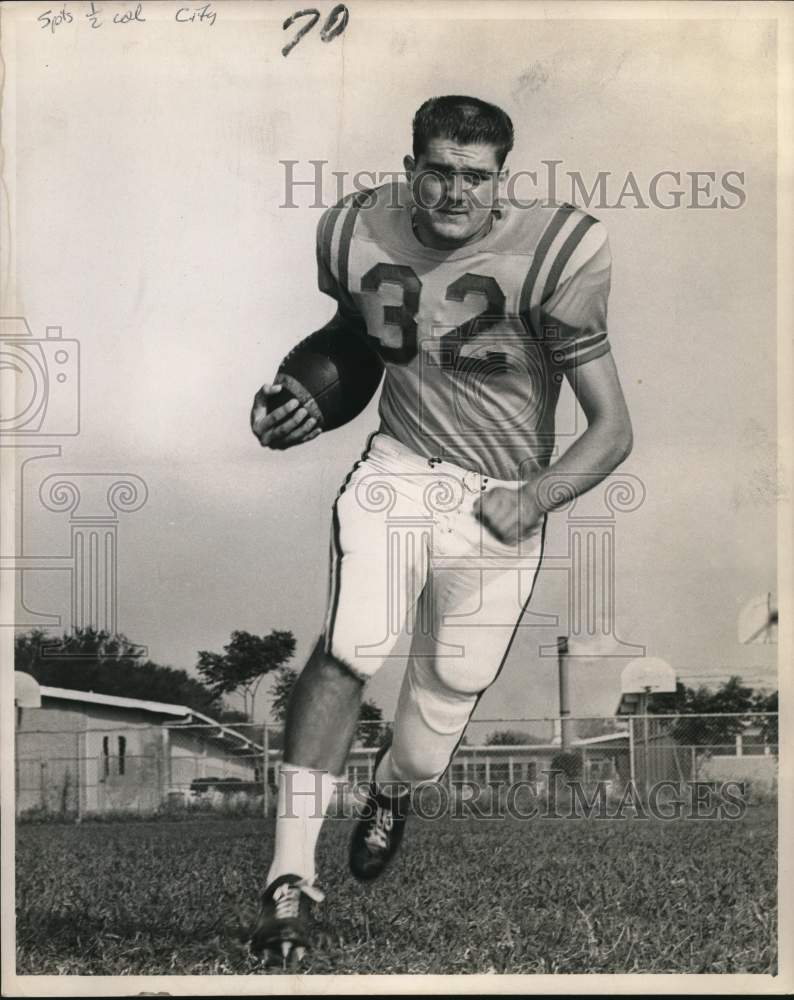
(230, 786)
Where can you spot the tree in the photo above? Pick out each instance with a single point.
(510, 737)
(89, 659)
(570, 764)
(719, 712)
(587, 728)
(731, 696)
(244, 662)
(767, 702)
(231, 715)
(371, 729)
(280, 691)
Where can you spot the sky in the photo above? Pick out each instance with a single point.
(146, 207)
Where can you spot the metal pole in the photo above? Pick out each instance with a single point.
(16, 761)
(265, 768)
(166, 773)
(645, 760)
(632, 765)
(80, 770)
(564, 700)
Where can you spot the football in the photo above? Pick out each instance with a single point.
(334, 373)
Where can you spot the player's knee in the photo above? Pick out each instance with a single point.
(415, 763)
(445, 714)
(464, 679)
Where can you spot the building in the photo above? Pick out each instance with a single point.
(604, 757)
(78, 753)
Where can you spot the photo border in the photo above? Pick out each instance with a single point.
(729, 984)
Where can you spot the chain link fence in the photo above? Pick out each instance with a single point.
(124, 769)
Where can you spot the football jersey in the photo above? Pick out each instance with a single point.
(475, 340)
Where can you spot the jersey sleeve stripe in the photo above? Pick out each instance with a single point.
(346, 236)
(564, 255)
(582, 357)
(556, 223)
(566, 352)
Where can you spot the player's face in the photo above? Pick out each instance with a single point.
(454, 190)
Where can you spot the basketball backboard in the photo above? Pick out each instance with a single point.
(758, 620)
(647, 674)
(27, 693)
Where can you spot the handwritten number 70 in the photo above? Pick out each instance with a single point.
(335, 24)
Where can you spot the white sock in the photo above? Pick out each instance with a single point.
(304, 795)
(388, 777)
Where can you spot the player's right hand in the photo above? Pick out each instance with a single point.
(285, 426)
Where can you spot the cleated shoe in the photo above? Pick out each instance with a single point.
(283, 927)
(379, 833)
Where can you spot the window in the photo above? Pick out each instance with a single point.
(106, 755)
(122, 752)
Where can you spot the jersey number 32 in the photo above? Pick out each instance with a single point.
(403, 317)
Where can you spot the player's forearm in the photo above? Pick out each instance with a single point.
(589, 460)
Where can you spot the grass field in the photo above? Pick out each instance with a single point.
(464, 896)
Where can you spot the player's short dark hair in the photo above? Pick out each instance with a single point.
(465, 120)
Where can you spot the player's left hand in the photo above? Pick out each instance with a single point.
(285, 426)
(510, 515)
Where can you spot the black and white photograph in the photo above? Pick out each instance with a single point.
(396, 497)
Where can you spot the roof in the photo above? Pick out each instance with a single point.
(506, 749)
(185, 715)
(158, 707)
(206, 722)
(603, 738)
(629, 704)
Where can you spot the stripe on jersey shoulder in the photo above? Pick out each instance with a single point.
(563, 234)
(572, 241)
(346, 229)
(329, 232)
(325, 235)
(555, 223)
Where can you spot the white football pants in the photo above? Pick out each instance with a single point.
(408, 555)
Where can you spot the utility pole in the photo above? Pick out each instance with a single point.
(265, 767)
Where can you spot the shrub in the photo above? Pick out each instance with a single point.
(570, 764)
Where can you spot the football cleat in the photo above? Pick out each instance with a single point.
(379, 833)
(283, 927)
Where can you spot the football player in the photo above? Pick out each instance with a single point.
(480, 310)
